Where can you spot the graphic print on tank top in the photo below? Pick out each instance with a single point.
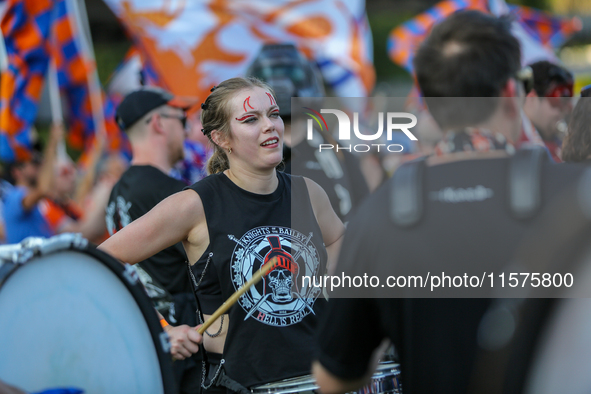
(279, 298)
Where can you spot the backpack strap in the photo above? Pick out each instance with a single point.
(406, 197)
(525, 182)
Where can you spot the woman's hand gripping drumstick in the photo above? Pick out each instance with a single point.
(185, 340)
(264, 270)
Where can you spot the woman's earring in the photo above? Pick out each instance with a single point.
(230, 151)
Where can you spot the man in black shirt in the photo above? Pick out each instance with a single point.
(456, 210)
(155, 123)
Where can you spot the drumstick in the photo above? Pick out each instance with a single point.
(264, 270)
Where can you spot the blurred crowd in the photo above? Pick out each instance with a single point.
(48, 193)
(60, 195)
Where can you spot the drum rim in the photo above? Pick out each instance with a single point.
(145, 305)
(383, 370)
(296, 381)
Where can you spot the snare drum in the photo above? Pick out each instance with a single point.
(300, 384)
(386, 380)
(71, 315)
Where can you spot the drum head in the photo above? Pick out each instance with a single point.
(70, 320)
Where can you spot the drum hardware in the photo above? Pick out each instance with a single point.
(131, 274)
(34, 246)
(386, 380)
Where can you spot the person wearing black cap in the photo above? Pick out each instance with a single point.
(155, 121)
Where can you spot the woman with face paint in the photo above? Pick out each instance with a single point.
(233, 221)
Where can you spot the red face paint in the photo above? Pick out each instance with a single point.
(560, 95)
(275, 111)
(247, 101)
(244, 118)
(271, 99)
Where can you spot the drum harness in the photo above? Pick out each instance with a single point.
(219, 378)
(491, 373)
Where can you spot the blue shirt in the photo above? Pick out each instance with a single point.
(19, 223)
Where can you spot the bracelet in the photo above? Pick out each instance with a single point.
(163, 323)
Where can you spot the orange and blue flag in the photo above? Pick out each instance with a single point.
(74, 69)
(405, 39)
(72, 74)
(26, 27)
(542, 32)
(189, 46)
(551, 31)
(36, 31)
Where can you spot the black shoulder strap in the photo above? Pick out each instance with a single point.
(525, 182)
(406, 193)
(525, 187)
(233, 386)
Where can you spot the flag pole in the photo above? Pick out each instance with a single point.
(55, 102)
(54, 93)
(79, 19)
(3, 53)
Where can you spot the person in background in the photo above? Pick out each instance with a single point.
(5, 187)
(548, 105)
(39, 203)
(155, 123)
(107, 172)
(469, 220)
(194, 166)
(60, 199)
(576, 146)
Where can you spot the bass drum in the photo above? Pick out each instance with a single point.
(73, 316)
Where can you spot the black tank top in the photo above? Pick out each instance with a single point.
(272, 326)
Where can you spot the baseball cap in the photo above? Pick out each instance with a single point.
(139, 102)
